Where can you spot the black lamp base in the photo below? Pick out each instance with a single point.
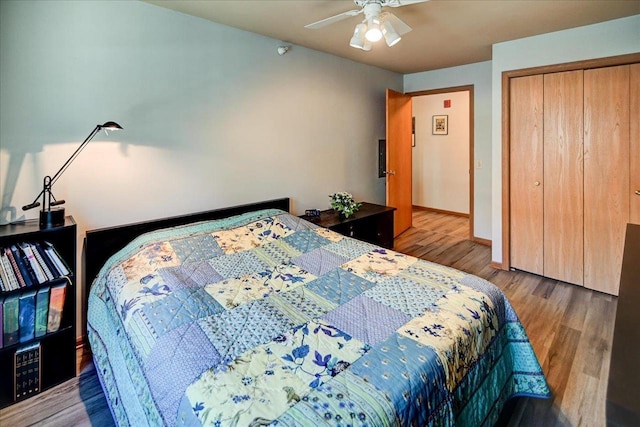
(52, 218)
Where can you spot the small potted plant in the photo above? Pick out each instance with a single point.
(344, 204)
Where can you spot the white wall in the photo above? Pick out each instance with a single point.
(617, 37)
(212, 115)
(478, 75)
(441, 162)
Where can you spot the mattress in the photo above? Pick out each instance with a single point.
(267, 319)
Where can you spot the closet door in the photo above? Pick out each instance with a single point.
(634, 114)
(606, 175)
(563, 191)
(526, 173)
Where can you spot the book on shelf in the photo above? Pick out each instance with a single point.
(56, 306)
(27, 368)
(30, 259)
(43, 261)
(56, 258)
(27, 315)
(11, 281)
(23, 265)
(29, 264)
(42, 310)
(14, 267)
(10, 327)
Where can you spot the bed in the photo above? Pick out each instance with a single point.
(251, 316)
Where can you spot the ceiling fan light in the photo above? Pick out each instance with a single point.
(366, 46)
(391, 37)
(373, 33)
(358, 40)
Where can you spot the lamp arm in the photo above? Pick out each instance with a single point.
(35, 202)
(66, 164)
(46, 187)
(49, 181)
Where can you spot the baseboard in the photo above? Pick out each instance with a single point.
(442, 211)
(480, 240)
(496, 265)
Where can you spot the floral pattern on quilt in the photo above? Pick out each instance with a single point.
(459, 328)
(330, 235)
(379, 264)
(264, 382)
(233, 292)
(143, 285)
(251, 235)
(299, 325)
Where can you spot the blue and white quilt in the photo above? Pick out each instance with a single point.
(266, 319)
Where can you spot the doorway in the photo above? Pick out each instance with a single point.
(443, 161)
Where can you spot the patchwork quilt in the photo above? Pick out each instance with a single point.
(266, 319)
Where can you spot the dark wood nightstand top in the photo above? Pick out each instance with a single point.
(329, 218)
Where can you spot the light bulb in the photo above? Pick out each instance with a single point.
(373, 33)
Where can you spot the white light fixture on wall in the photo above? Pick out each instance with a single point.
(283, 49)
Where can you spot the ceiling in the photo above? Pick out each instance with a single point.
(445, 33)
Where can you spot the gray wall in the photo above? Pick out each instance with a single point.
(212, 115)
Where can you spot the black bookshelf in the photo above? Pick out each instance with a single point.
(57, 349)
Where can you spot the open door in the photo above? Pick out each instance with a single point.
(398, 173)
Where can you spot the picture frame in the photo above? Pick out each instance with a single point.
(440, 125)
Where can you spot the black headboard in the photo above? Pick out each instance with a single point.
(100, 244)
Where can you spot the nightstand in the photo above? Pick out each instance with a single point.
(372, 223)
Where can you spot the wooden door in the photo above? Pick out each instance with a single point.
(634, 165)
(606, 175)
(526, 173)
(563, 192)
(399, 171)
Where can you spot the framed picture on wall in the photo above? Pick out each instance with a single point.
(440, 125)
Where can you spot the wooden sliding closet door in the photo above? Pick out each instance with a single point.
(563, 191)
(606, 175)
(526, 187)
(634, 165)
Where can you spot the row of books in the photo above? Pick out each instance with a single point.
(27, 371)
(27, 264)
(31, 314)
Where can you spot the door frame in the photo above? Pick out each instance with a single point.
(465, 88)
(506, 121)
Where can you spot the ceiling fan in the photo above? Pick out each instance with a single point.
(376, 24)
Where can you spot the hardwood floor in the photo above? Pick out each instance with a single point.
(570, 328)
(77, 402)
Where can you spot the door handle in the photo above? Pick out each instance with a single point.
(537, 183)
(637, 192)
(389, 172)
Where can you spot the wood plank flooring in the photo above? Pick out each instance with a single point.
(570, 328)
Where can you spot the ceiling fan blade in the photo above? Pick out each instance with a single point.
(398, 24)
(398, 3)
(333, 19)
